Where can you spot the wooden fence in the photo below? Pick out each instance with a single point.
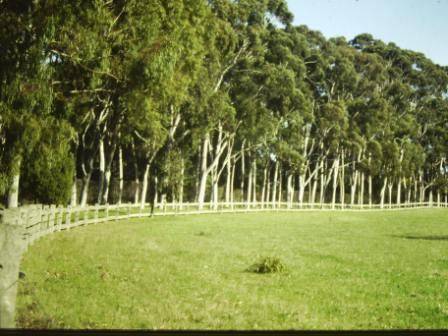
(22, 226)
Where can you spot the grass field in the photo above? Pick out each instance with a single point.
(345, 270)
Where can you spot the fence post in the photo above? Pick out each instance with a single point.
(96, 213)
(61, 213)
(68, 217)
(12, 246)
(52, 219)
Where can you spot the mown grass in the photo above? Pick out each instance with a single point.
(345, 270)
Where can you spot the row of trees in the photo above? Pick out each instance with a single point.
(214, 100)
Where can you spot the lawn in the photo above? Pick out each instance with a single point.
(344, 270)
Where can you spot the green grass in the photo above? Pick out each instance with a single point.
(345, 270)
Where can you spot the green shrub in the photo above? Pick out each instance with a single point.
(268, 265)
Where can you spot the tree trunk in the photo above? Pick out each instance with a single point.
(136, 176)
(335, 182)
(102, 168)
(145, 186)
(232, 184)
(280, 185)
(399, 192)
(254, 183)
(85, 189)
(243, 172)
(228, 179)
(361, 190)
(274, 186)
(390, 194)
(107, 176)
(13, 192)
(204, 173)
(198, 173)
(409, 193)
(353, 186)
(263, 189)
(314, 189)
(301, 189)
(370, 190)
(156, 191)
(181, 184)
(268, 188)
(289, 190)
(120, 175)
(342, 181)
(249, 188)
(74, 195)
(322, 183)
(383, 193)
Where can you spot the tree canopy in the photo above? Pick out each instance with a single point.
(194, 100)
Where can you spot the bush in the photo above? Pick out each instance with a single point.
(268, 265)
(47, 172)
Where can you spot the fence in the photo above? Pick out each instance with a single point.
(22, 226)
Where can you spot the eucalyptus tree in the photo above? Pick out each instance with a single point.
(236, 38)
(26, 97)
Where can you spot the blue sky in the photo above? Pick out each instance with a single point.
(420, 25)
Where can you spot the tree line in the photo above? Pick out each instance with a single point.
(106, 101)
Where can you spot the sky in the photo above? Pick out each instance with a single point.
(420, 25)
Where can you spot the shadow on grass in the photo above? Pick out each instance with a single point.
(432, 237)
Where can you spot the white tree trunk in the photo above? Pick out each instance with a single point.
(274, 186)
(120, 175)
(181, 185)
(289, 190)
(390, 194)
(301, 189)
(137, 191)
(399, 192)
(85, 189)
(243, 172)
(249, 188)
(204, 173)
(335, 182)
(342, 181)
(74, 195)
(370, 190)
(102, 169)
(145, 186)
(254, 183)
(280, 185)
(13, 192)
(353, 187)
(228, 179)
(156, 191)
(268, 188)
(383, 193)
(361, 190)
(107, 176)
(263, 189)
(232, 184)
(314, 189)
(322, 183)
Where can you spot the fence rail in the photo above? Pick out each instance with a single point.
(20, 227)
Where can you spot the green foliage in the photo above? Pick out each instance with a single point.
(268, 265)
(48, 170)
(156, 78)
